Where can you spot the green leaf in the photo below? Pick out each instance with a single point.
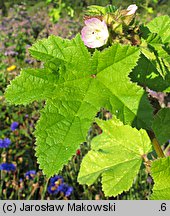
(116, 154)
(94, 10)
(153, 69)
(161, 125)
(161, 58)
(160, 171)
(162, 50)
(146, 74)
(60, 130)
(161, 26)
(75, 85)
(112, 76)
(57, 51)
(32, 84)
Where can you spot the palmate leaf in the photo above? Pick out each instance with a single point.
(161, 26)
(116, 154)
(146, 74)
(153, 69)
(161, 125)
(75, 85)
(32, 85)
(160, 171)
(161, 58)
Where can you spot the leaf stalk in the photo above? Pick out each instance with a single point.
(157, 148)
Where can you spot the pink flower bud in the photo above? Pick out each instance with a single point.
(131, 9)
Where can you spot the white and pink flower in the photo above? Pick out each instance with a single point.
(131, 9)
(95, 33)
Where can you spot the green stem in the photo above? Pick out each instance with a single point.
(157, 148)
(59, 3)
(44, 190)
(147, 3)
(156, 144)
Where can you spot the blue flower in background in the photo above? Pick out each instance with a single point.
(56, 179)
(7, 167)
(52, 189)
(14, 126)
(21, 180)
(57, 185)
(67, 190)
(30, 174)
(5, 143)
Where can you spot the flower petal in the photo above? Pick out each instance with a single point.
(132, 9)
(95, 33)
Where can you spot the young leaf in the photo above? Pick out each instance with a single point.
(75, 86)
(153, 69)
(160, 171)
(116, 154)
(146, 74)
(162, 50)
(161, 125)
(161, 58)
(161, 26)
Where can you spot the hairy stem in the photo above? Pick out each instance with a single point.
(157, 148)
(156, 144)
